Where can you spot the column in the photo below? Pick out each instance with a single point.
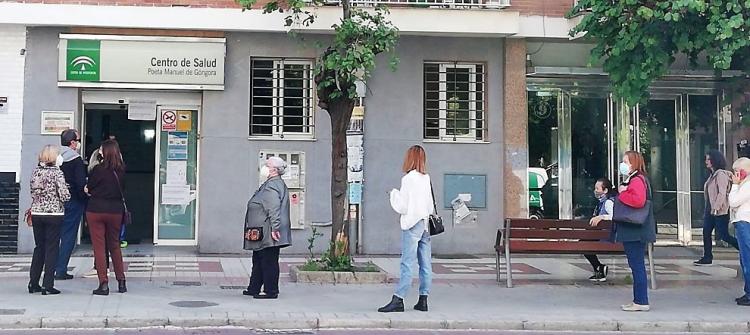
(515, 131)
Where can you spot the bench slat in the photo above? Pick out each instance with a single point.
(594, 235)
(564, 247)
(546, 224)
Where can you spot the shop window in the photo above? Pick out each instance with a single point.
(282, 95)
(454, 101)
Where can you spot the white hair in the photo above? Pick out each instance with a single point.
(742, 163)
(278, 164)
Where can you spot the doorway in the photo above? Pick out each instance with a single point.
(137, 143)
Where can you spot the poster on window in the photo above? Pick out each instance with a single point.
(177, 146)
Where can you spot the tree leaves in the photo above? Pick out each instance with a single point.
(639, 39)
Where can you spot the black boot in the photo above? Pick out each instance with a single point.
(103, 289)
(34, 288)
(121, 286)
(396, 305)
(422, 304)
(50, 291)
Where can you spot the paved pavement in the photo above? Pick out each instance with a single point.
(244, 331)
(199, 291)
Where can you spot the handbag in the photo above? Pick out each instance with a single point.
(625, 214)
(253, 234)
(435, 221)
(127, 217)
(27, 217)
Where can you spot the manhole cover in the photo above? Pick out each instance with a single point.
(12, 311)
(193, 304)
(186, 283)
(229, 287)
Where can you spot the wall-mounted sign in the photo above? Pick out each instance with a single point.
(55, 122)
(141, 62)
(144, 110)
(3, 105)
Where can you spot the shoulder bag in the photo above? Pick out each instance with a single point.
(435, 221)
(625, 214)
(127, 218)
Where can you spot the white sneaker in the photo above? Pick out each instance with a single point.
(633, 307)
(93, 274)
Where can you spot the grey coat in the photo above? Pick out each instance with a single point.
(269, 209)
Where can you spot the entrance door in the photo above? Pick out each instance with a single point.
(177, 186)
(136, 140)
(704, 132)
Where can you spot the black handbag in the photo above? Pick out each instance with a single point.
(435, 221)
(253, 234)
(127, 217)
(623, 213)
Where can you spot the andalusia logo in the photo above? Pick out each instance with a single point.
(83, 60)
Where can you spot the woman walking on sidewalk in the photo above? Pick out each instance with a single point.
(634, 193)
(105, 215)
(716, 215)
(49, 192)
(739, 199)
(415, 204)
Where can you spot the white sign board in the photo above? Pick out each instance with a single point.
(141, 62)
(55, 122)
(144, 110)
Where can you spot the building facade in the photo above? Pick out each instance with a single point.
(497, 93)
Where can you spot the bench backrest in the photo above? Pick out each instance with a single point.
(557, 236)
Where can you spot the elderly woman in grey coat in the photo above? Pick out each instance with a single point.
(267, 230)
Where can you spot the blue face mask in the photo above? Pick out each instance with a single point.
(624, 168)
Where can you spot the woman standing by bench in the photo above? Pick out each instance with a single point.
(634, 193)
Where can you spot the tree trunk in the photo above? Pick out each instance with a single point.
(340, 112)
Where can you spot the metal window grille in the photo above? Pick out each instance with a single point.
(282, 94)
(454, 101)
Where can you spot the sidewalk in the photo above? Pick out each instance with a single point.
(193, 291)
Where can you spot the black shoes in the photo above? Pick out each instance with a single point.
(50, 291)
(422, 304)
(103, 289)
(600, 274)
(248, 293)
(64, 276)
(121, 286)
(34, 288)
(396, 305)
(743, 301)
(265, 296)
(703, 262)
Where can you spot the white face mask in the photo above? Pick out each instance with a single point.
(264, 172)
(59, 161)
(624, 169)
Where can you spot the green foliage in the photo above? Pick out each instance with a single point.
(330, 260)
(359, 37)
(311, 241)
(637, 40)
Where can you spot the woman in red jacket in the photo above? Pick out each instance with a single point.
(634, 192)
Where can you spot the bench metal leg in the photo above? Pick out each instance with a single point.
(652, 271)
(508, 266)
(497, 265)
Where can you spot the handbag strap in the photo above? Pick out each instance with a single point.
(119, 187)
(434, 201)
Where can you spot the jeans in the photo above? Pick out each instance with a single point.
(743, 239)
(415, 245)
(265, 271)
(69, 233)
(636, 261)
(47, 240)
(721, 223)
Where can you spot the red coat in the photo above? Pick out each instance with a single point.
(635, 195)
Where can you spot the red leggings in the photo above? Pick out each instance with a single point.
(106, 226)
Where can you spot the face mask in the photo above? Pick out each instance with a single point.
(264, 172)
(59, 161)
(624, 169)
(599, 195)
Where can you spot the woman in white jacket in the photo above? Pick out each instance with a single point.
(739, 199)
(414, 202)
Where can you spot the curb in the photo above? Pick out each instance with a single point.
(363, 322)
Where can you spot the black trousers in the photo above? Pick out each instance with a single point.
(594, 261)
(265, 272)
(47, 239)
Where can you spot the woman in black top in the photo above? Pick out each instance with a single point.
(104, 214)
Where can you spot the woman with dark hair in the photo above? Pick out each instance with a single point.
(605, 192)
(634, 193)
(414, 202)
(716, 215)
(104, 214)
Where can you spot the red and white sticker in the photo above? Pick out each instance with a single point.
(168, 121)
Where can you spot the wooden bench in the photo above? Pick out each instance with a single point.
(528, 236)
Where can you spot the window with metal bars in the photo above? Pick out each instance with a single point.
(454, 101)
(281, 98)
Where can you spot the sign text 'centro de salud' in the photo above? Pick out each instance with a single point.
(141, 62)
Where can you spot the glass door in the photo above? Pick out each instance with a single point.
(704, 133)
(177, 180)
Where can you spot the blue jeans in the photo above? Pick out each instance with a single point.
(69, 233)
(743, 239)
(415, 245)
(721, 223)
(636, 260)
